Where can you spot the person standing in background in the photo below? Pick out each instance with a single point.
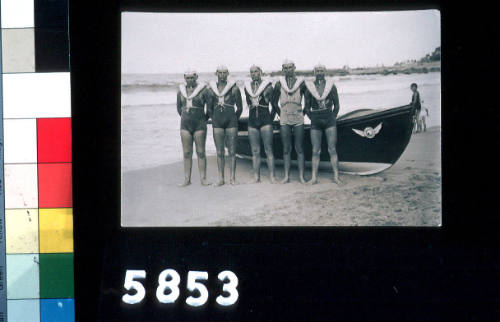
(415, 101)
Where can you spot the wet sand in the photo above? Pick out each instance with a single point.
(407, 194)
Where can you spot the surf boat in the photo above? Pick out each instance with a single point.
(369, 140)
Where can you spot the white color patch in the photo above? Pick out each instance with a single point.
(36, 95)
(21, 187)
(18, 13)
(20, 141)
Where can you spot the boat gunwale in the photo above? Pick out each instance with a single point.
(349, 121)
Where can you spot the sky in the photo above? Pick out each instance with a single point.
(174, 42)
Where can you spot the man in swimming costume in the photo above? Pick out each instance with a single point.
(258, 94)
(320, 96)
(289, 91)
(191, 100)
(225, 95)
(415, 101)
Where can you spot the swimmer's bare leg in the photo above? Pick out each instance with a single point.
(232, 135)
(219, 138)
(331, 137)
(267, 137)
(187, 149)
(286, 140)
(316, 136)
(200, 138)
(298, 132)
(254, 136)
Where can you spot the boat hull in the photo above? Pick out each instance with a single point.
(361, 148)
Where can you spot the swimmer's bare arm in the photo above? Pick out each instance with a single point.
(268, 96)
(303, 90)
(276, 97)
(247, 98)
(210, 103)
(307, 104)
(207, 99)
(179, 103)
(239, 102)
(334, 96)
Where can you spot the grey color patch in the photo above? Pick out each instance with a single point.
(18, 50)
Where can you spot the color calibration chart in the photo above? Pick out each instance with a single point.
(37, 237)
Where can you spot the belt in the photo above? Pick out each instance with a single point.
(224, 105)
(188, 109)
(257, 110)
(317, 110)
(291, 102)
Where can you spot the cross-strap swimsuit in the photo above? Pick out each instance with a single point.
(193, 117)
(321, 113)
(224, 115)
(259, 114)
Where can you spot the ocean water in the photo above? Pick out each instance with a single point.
(150, 123)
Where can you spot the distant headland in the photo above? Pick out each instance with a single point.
(430, 63)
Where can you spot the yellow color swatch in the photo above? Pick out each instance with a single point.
(56, 230)
(21, 227)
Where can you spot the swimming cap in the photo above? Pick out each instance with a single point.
(222, 68)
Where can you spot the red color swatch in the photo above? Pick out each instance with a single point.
(54, 139)
(54, 185)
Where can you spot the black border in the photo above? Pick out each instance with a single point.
(346, 273)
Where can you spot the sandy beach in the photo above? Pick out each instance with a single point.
(407, 194)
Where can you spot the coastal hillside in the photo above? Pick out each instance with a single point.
(429, 63)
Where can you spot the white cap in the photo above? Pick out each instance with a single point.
(222, 68)
(190, 71)
(319, 66)
(255, 66)
(288, 62)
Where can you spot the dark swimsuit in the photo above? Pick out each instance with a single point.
(416, 101)
(259, 116)
(194, 119)
(263, 118)
(322, 119)
(224, 116)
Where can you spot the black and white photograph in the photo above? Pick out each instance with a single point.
(281, 119)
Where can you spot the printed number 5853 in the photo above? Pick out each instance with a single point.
(168, 287)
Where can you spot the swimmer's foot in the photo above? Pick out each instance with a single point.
(337, 181)
(255, 180)
(302, 180)
(273, 180)
(312, 181)
(185, 184)
(233, 182)
(285, 180)
(219, 183)
(204, 182)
